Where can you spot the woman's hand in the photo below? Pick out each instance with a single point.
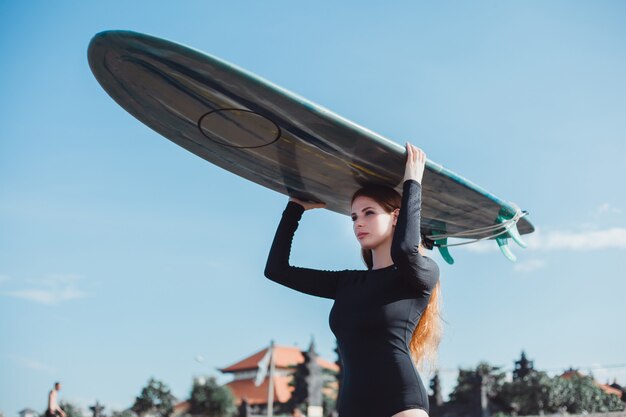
(306, 204)
(415, 162)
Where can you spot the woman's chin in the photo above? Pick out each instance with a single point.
(366, 246)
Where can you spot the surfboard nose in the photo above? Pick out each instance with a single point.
(238, 128)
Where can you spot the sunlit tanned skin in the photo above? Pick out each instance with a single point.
(53, 406)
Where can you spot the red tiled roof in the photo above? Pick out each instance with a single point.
(245, 388)
(604, 387)
(284, 356)
(181, 408)
(610, 390)
(570, 374)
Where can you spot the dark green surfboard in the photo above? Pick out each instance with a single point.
(259, 131)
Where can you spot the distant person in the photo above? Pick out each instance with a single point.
(386, 318)
(53, 405)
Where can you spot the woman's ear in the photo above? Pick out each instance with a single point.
(396, 213)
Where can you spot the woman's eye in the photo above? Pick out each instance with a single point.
(369, 212)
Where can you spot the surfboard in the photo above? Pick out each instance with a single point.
(273, 137)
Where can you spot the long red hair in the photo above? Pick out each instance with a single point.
(427, 335)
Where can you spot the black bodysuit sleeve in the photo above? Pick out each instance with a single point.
(309, 281)
(420, 271)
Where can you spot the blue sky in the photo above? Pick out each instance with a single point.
(123, 256)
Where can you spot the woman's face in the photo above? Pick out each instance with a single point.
(371, 223)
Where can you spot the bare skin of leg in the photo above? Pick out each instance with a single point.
(417, 412)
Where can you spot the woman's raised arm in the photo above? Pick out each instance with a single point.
(420, 271)
(309, 281)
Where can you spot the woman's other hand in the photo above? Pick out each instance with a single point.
(415, 162)
(306, 204)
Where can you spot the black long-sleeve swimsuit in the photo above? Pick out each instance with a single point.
(374, 314)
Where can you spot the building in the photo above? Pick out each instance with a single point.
(604, 387)
(619, 388)
(28, 412)
(245, 371)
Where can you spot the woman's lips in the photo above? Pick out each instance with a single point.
(360, 235)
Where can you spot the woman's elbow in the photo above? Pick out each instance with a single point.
(269, 272)
(429, 274)
(405, 249)
(274, 271)
(403, 255)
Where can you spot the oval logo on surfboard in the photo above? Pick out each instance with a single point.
(238, 128)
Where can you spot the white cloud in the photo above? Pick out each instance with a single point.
(530, 265)
(607, 208)
(48, 296)
(614, 238)
(53, 289)
(562, 240)
(33, 364)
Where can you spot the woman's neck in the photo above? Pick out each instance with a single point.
(381, 256)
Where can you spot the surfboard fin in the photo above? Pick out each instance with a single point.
(443, 249)
(445, 253)
(512, 232)
(503, 243)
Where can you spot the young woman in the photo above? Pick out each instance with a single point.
(385, 318)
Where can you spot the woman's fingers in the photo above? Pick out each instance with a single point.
(421, 156)
(306, 204)
(410, 149)
(414, 153)
(415, 163)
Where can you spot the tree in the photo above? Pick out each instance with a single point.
(155, 398)
(529, 394)
(523, 367)
(70, 409)
(538, 393)
(468, 386)
(477, 389)
(123, 413)
(435, 386)
(300, 383)
(581, 394)
(339, 375)
(210, 399)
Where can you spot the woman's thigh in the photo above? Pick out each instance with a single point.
(416, 412)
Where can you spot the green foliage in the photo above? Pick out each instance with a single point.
(580, 394)
(70, 409)
(123, 413)
(155, 398)
(467, 390)
(529, 395)
(299, 382)
(329, 379)
(338, 376)
(211, 400)
(538, 393)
